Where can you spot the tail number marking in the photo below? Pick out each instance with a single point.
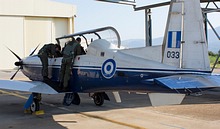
(173, 54)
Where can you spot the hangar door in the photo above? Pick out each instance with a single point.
(43, 31)
(37, 30)
(11, 36)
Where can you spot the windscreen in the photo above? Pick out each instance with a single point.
(108, 33)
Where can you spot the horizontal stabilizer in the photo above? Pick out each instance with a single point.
(160, 99)
(30, 86)
(189, 81)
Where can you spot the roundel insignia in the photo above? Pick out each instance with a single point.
(108, 68)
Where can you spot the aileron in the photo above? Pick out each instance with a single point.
(189, 81)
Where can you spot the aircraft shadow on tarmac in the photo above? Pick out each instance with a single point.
(133, 100)
(211, 96)
(13, 116)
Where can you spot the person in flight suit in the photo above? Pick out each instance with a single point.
(82, 49)
(70, 51)
(48, 51)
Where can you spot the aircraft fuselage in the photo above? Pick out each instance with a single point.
(97, 74)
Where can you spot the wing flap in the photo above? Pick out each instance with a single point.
(161, 99)
(29, 86)
(189, 81)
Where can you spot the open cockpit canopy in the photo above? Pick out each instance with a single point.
(108, 33)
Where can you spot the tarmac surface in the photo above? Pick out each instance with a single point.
(135, 112)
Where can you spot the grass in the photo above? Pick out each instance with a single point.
(212, 61)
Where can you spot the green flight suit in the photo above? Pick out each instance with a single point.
(70, 51)
(48, 50)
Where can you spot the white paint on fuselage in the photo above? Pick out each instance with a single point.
(124, 58)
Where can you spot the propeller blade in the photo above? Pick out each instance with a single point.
(14, 54)
(15, 74)
(34, 50)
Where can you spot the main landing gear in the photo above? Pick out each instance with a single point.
(99, 98)
(71, 98)
(33, 104)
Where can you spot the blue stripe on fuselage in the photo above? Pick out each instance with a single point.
(90, 79)
(127, 69)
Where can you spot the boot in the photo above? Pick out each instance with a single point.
(45, 79)
(60, 86)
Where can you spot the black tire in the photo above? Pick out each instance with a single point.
(35, 106)
(98, 99)
(76, 99)
(68, 98)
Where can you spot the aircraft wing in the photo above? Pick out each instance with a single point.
(28, 86)
(178, 82)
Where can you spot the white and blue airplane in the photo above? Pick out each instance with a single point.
(166, 72)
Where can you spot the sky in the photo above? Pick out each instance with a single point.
(130, 24)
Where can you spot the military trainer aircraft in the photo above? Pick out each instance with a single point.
(166, 72)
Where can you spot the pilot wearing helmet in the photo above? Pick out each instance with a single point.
(82, 49)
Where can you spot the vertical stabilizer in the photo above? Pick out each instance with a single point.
(195, 49)
(173, 35)
(185, 44)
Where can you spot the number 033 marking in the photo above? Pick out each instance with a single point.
(173, 54)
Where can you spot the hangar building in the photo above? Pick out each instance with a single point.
(26, 23)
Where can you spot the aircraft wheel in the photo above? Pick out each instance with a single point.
(35, 106)
(98, 99)
(76, 99)
(68, 98)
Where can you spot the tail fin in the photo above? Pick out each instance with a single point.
(185, 44)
